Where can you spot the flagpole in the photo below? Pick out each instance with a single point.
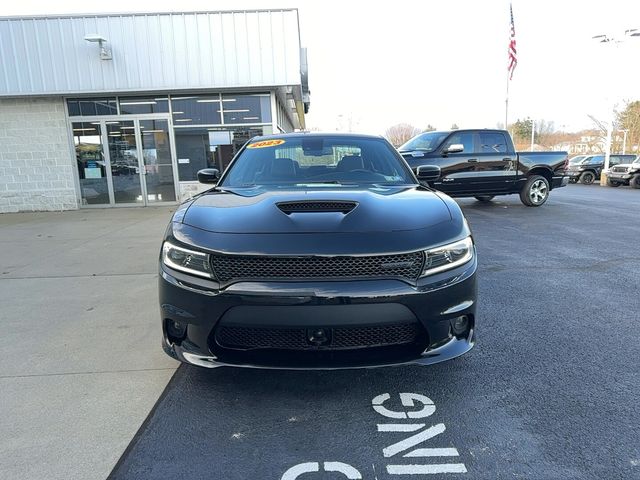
(506, 106)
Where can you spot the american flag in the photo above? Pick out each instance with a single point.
(513, 61)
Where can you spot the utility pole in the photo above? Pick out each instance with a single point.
(533, 132)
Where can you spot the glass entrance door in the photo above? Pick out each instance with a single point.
(124, 162)
(157, 169)
(135, 168)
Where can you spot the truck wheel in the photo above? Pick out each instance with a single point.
(635, 181)
(484, 198)
(587, 178)
(535, 191)
(611, 183)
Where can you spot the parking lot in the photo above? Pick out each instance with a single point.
(550, 391)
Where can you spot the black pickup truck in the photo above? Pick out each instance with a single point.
(484, 163)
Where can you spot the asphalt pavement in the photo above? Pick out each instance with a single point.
(551, 390)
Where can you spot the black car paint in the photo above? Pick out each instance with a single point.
(467, 174)
(386, 220)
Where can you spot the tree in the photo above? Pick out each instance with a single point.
(629, 119)
(400, 133)
(521, 131)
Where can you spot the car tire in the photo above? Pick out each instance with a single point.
(535, 191)
(611, 183)
(587, 178)
(484, 198)
(635, 181)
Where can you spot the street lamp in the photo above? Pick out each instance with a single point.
(630, 32)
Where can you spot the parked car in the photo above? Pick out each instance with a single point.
(577, 159)
(625, 174)
(589, 169)
(318, 251)
(484, 163)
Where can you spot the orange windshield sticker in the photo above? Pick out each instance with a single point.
(266, 143)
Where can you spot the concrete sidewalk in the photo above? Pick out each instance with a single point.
(81, 359)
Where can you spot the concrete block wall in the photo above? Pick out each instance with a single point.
(36, 160)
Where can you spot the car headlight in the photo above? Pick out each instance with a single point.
(185, 260)
(448, 256)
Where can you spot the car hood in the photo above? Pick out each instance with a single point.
(255, 210)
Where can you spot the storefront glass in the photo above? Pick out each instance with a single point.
(90, 163)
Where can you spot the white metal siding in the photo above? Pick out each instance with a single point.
(162, 51)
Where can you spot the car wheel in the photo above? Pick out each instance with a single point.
(535, 191)
(587, 178)
(635, 181)
(611, 183)
(484, 198)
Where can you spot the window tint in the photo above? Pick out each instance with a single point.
(92, 106)
(465, 138)
(492, 143)
(255, 108)
(318, 159)
(426, 142)
(196, 110)
(134, 105)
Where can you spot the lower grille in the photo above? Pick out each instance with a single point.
(338, 338)
(228, 268)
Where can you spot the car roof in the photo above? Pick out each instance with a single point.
(314, 134)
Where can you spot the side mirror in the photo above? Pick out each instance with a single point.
(208, 175)
(428, 173)
(455, 148)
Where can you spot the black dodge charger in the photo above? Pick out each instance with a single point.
(317, 251)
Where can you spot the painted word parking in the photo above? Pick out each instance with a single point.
(402, 454)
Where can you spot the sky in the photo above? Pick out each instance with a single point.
(374, 64)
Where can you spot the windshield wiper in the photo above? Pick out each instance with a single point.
(321, 182)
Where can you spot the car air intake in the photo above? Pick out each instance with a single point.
(317, 206)
(338, 338)
(403, 266)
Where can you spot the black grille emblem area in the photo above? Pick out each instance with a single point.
(319, 337)
(317, 206)
(229, 268)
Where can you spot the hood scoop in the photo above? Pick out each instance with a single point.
(316, 206)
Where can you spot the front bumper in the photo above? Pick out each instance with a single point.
(619, 176)
(433, 304)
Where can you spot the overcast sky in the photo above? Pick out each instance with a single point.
(374, 64)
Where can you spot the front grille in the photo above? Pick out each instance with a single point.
(229, 268)
(316, 206)
(619, 169)
(339, 338)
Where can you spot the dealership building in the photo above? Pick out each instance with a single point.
(124, 109)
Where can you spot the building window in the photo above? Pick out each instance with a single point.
(92, 106)
(136, 105)
(196, 110)
(201, 147)
(253, 108)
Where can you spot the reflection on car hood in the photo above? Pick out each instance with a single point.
(255, 210)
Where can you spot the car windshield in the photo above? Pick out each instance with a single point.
(593, 160)
(316, 159)
(576, 160)
(425, 142)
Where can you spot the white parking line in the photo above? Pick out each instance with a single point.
(433, 452)
(426, 469)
